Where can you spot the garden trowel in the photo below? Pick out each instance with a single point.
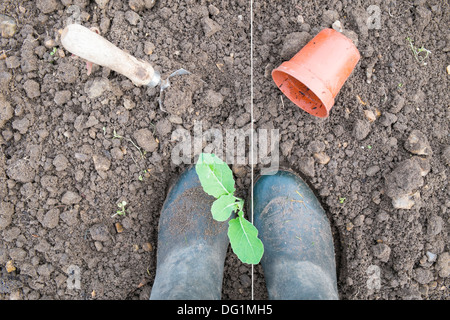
(92, 47)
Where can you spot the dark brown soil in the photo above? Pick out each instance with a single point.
(69, 150)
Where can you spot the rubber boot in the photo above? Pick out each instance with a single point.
(298, 261)
(191, 245)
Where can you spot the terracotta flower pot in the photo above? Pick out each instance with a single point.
(314, 76)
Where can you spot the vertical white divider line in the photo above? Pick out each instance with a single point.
(251, 118)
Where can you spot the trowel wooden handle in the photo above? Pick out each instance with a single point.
(92, 47)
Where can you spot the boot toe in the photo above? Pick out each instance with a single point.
(296, 235)
(191, 246)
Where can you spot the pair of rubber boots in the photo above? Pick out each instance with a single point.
(298, 260)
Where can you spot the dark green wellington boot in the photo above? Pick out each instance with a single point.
(191, 245)
(298, 260)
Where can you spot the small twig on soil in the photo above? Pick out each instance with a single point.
(116, 136)
(282, 101)
(360, 100)
(139, 149)
(31, 40)
(154, 128)
(134, 160)
(389, 12)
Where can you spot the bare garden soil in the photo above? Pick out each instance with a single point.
(75, 145)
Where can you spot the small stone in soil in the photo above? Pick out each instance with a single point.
(101, 163)
(163, 127)
(101, 3)
(99, 232)
(149, 47)
(47, 6)
(51, 219)
(60, 162)
(322, 157)
(62, 97)
(70, 198)
(95, 88)
(443, 265)
(6, 111)
(370, 116)
(405, 178)
(417, 143)
(445, 155)
(371, 171)
(382, 251)
(435, 225)
(406, 201)
(423, 276)
(337, 26)
(316, 146)
(21, 171)
(6, 213)
(149, 3)
(132, 17)
(210, 27)
(68, 72)
(213, 99)
(388, 119)
(8, 26)
(306, 165)
(397, 104)
(431, 256)
(361, 129)
(12, 62)
(147, 247)
(119, 227)
(32, 89)
(136, 5)
(145, 140)
(10, 266)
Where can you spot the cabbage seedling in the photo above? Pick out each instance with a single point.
(122, 211)
(217, 180)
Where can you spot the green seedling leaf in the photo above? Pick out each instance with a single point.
(215, 176)
(223, 207)
(122, 211)
(217, 180)
(244, 240)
